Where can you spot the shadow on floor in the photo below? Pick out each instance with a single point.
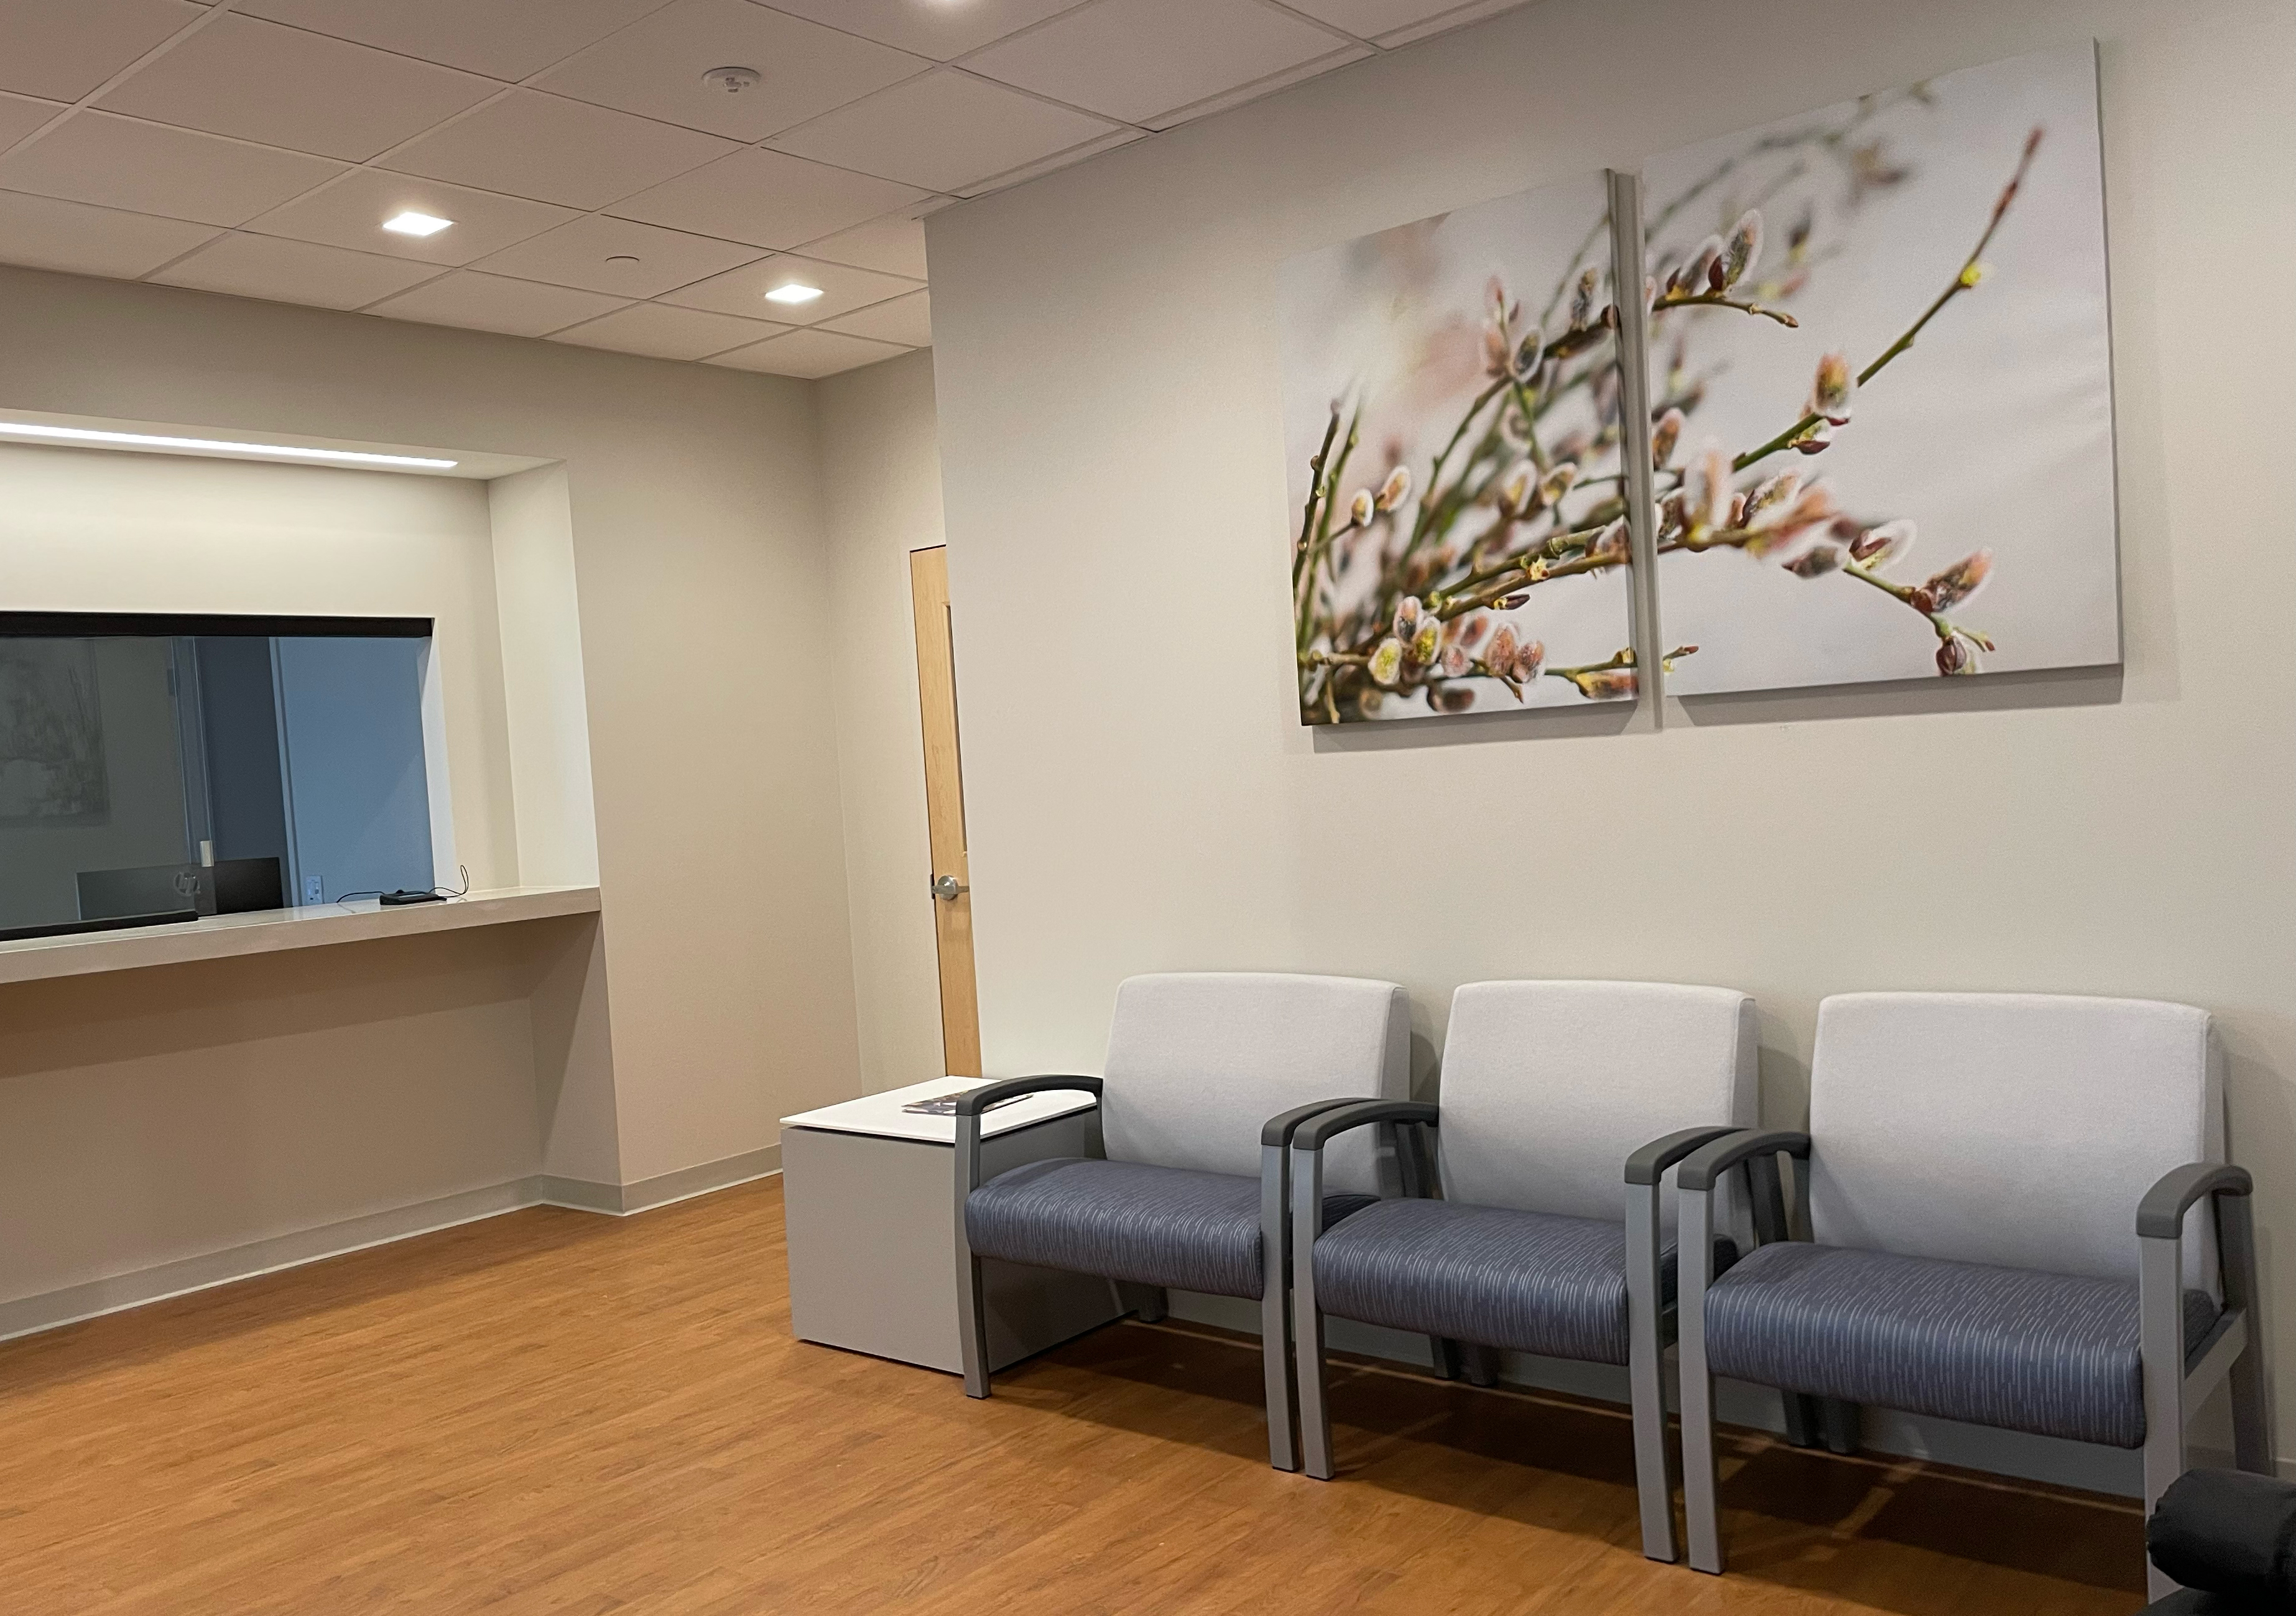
(1810, 1521)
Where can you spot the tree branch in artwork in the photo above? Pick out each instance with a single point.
(1401, 598)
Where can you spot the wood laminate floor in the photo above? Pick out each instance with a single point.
(553, 1412)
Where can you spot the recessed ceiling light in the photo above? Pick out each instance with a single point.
(796, 291)
(219, 446)
(411, 223)
(622, 257)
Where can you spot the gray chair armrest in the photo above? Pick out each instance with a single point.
(2160, 1215)
(1709, 1162)
(1649, 1164)
(1317, 1131)
(1281, 1127)
(1011, 1088)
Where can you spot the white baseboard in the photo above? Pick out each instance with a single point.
(50, 1309)
(2007, 1452)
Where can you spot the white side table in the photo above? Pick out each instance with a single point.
(872, 1227)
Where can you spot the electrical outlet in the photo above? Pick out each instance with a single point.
(310, 889)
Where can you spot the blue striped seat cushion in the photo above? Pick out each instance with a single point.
(1153, 1226)
(1527, 1280)
(2045, 1353)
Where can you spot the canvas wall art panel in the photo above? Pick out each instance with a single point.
(1451, 422)
(1881, 385)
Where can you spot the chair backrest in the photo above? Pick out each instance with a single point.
(1549, 1086)
(2015, 1130)
(1199, 1061)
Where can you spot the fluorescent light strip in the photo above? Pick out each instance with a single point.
(284, 451)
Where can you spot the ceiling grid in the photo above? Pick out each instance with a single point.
(605, 186)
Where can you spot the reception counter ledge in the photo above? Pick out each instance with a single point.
(272, 931)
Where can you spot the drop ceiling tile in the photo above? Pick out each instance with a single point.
(654, 67)
(943, 131)
(589, 253)
(350, 212)
(118, 162)
(662, 333)
(1121, 136)
(1444, 21)
(493, 302)
(890, 246)
(742, 292)
(63, 49)
(907, 320)
(20, 115)
(766, 198)
(808, 354)
(45, 234)
(293, 272)
(284, 88)
(929, 27)
(558, 151)
(1134, 59)
(1349, 50)
(508, 39)
(1379, 19)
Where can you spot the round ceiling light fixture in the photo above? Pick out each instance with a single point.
(622, 257)
(733, 81)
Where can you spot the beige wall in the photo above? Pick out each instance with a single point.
(1143, 797)
(94, 531)
(163, 1115)
(881, 479)
(690, 500)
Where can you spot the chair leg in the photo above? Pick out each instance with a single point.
(1646, 1315)
(1145, 1302)
(1276, 1369)
(2161, 1324)
(1654, 1463)
(2251, 1423)
(1699, 1481)
(1480, 1363)
(1841, 1424)
(1804, 1420)
(1306, 1318)
(2251, 1417)
(973, 1328)
(1444, 1355)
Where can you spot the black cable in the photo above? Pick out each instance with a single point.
(345, 899)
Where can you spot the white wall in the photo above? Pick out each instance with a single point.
(1143, 797)
(881, 479)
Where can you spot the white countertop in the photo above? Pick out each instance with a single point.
(271, 930)
(882, 1116)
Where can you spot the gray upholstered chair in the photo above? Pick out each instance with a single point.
(1996, 1189)
(1552, 1094)
(1188, 1197)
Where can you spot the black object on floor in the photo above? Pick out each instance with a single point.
(2230, 1539)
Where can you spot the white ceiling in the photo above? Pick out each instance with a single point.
(602, 193)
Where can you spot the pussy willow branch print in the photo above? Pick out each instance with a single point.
(1832, 377)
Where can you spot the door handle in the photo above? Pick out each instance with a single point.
(948, 889)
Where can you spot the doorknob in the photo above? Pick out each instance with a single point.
(948, 888)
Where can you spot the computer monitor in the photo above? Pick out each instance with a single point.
(230, 886)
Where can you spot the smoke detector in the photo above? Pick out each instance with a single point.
(733, 81)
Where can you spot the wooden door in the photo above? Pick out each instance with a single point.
(950, 894)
